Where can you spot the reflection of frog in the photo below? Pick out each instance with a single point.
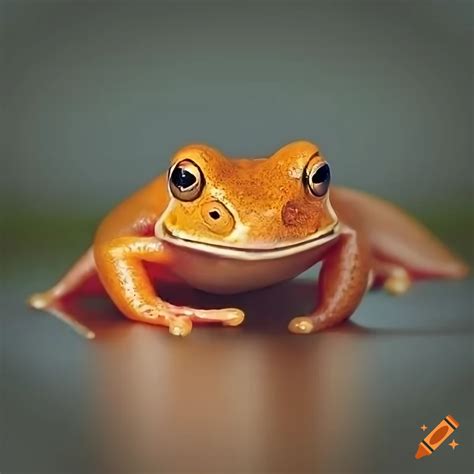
(227, 226)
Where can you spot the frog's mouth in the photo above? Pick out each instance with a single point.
(316, 240)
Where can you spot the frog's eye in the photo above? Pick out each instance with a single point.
(186, 180)
(318, 178)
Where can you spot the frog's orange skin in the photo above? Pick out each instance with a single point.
(250, 224)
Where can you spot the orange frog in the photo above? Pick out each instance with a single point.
(229, 226)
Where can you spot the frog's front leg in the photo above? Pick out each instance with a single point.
(343, 282)
(120, 268)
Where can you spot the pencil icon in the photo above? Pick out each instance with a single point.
(437, 437)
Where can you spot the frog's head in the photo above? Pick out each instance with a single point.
(265, 205)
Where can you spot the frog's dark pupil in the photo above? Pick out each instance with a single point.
(182, 178)
(215, 214)
(322, 175)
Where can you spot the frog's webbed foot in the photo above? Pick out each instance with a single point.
(226, 316)
(394, 278)
(398, 282)
(180, 318)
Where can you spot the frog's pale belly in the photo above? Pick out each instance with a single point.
(222, 275)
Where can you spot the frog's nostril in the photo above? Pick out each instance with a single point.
(217, 217)
(214, 214)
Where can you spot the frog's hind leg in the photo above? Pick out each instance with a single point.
(76, 277)
(402, 246)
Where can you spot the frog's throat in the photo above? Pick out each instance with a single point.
(316, 240)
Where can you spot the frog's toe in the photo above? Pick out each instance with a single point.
(235, 317)
(301, 325)
(40, 300)
(226, 316)
(398, 282)
(180, 326)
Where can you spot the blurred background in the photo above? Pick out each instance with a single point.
(97, 96)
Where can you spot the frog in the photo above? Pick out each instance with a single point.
(232, 225)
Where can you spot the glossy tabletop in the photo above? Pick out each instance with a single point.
(241, 400)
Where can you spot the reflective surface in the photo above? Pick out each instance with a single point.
(248, 399)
